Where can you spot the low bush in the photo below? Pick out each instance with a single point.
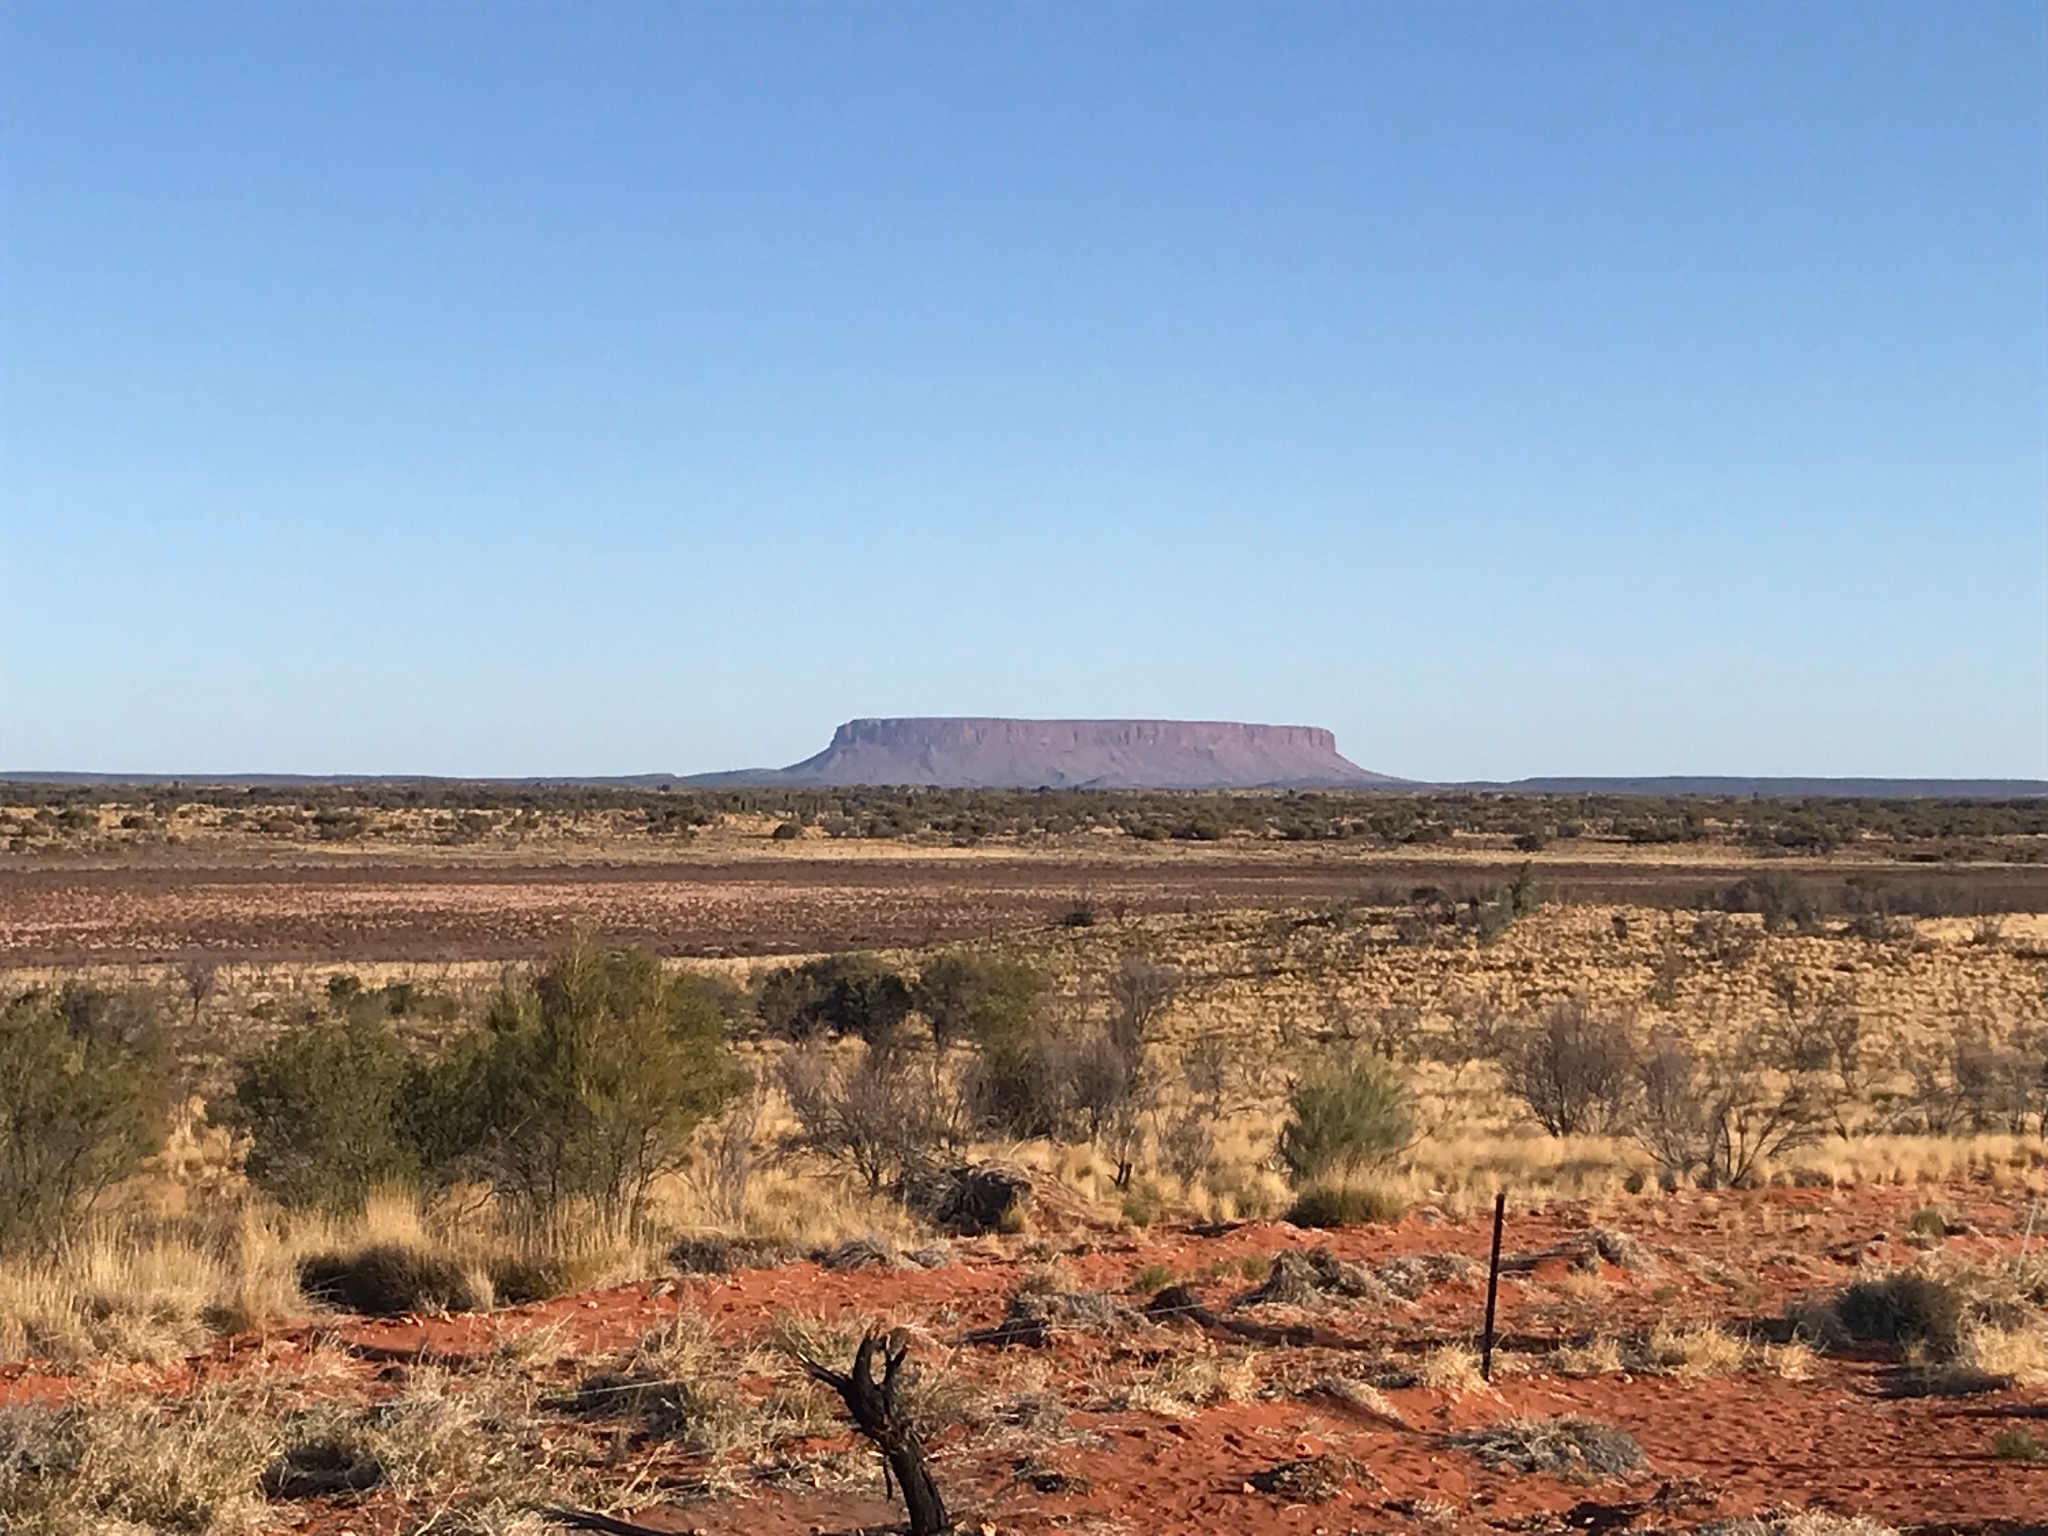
(389, 1280)
(1345, 1205)
(1903, 1308)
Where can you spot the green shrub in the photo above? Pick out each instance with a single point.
(582, 1088)
(1351, 1116)
(2017, 1445)
(388, 1280)
(1346, 1205)
(83, 1101)
(319, 1106)
(1903, 1308)
(1153, 1277)
(835, 995)
(1143, 1205)
(520, 1278)
(977, 997)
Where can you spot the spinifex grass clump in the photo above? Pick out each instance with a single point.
(389, 1280)
(1565, 1447)
(1346, 1205)
(1904, 1308)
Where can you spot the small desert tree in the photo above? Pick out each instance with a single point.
(1573, 1068)
(1351, 1115)
(875, 1106)
(584, 1087)
(1715, 1116)
(80, 1109)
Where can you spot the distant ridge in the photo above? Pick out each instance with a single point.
(989, 753)
(1679, 785)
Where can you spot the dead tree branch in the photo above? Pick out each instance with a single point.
(879, 1413)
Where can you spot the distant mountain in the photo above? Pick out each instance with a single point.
(1857, 789)
(960, 753)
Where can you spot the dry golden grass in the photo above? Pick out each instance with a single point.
(116, 1293)
(1695, 1351)
(129, 1464)
(1185, 1381)
(2018, 1355)
(1601, 1356)
(1451, 1368)
(1793, 1361)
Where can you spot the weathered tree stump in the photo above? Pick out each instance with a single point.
(877, 1409)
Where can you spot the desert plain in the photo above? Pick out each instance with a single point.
(1764, 1097)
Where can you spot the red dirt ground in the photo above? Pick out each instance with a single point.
(1841, 1441)
(378, 909)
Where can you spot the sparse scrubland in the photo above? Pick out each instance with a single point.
(346, 1244)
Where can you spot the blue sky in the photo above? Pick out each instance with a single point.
(1513, 388)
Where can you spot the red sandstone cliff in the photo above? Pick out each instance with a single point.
(1100, 754)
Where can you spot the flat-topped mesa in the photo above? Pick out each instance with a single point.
(960, 753)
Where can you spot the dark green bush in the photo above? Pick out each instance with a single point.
(1903, 1308)
(1345, 1205)
(1350, 1116)
(977, 997)
(836, 995)
(83, 1101)
(520, 1278)
(388, 1280)
(319, 1106)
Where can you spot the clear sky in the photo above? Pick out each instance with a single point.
(1514, 388)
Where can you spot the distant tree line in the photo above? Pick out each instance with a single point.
(468, 812)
